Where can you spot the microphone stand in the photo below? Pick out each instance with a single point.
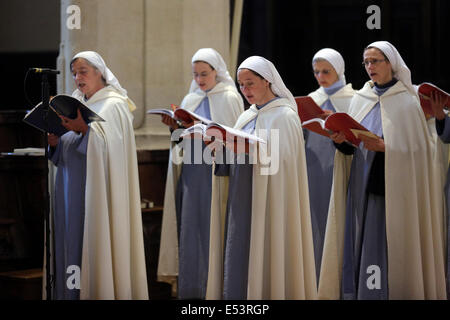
(48, 236)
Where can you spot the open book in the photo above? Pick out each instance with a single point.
(308, 109)
(30, 151)
(220, 132)
(339, 122)
(315, 119)
(180, 114)
(63, 105)
(424, 90)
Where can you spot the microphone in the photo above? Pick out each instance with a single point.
(44, 70)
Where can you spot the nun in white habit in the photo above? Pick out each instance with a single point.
(442, 127)
(97, 212)
(333, 95)
(443, 130)
(212, 95)
(266, 250)
(387, 242)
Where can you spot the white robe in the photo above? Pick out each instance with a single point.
(320, 154)
(441, 157)
(281, 258)
(340, 99)
(225, 106)
(414, 220)
(113, 259)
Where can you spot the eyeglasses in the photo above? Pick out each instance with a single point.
(325, 71)
(373, 62)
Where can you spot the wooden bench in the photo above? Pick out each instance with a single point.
(21, 284)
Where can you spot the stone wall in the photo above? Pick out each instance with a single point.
(148, 45)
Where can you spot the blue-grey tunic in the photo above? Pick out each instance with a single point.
(365, 263)
(443, 130)
(69, 207)
(238, 221)
(320, 151)
(193, 207)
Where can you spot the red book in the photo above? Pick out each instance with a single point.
(180, 114)
(237, 140)
(308, 109)
(221, 132)
(316, 119)
(339, 122)
(424, 90)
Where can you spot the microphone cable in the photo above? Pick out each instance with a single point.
(25, 89)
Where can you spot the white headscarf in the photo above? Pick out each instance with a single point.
(97, 61)
(335, 59)
(267, 70)
(214, 58)
(401, 70)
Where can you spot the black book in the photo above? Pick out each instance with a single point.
(60, 105)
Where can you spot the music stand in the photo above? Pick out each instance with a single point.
(48, 236)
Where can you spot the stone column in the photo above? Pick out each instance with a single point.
(148, 45)
(114, 29)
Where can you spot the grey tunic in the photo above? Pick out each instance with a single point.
(443, 130)
(365, 265)
(238, 221)
(69, 207)
(193, 207)
(320, 151)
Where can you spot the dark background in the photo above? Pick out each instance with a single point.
(288, 33)
(29, 37)
(14, 67)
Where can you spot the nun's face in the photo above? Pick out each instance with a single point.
(324, 73)
(204, 75)
(378, 68)
(87, 78)
(254, 88)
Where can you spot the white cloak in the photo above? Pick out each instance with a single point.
(225, 106)
(281, 257)
(415, 228)
(113, 259)
(340, 99)
(441, 157)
